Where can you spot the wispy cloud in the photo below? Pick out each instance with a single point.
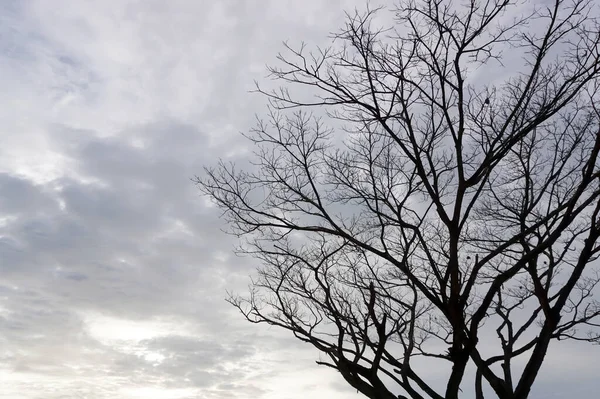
(113, 269)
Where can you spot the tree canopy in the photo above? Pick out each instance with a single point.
(426, 194)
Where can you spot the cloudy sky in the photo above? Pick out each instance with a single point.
(113, 269)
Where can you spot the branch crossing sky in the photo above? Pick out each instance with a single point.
(113, 268)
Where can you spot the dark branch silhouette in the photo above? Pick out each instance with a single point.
(449, 211)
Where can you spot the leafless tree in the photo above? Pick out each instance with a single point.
(440, 201)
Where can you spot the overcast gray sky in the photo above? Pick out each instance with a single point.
(113, 269)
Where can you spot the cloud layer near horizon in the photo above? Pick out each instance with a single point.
(113, 269)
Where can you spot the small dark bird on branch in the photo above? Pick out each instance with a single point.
(487, 101)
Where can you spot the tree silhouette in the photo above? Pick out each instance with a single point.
(441, 202)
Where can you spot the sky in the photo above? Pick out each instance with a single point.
(113, 267)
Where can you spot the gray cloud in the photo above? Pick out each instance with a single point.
(113, 268)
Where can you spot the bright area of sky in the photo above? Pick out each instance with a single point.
(113, 269)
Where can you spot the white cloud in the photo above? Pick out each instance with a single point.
(113, 269)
